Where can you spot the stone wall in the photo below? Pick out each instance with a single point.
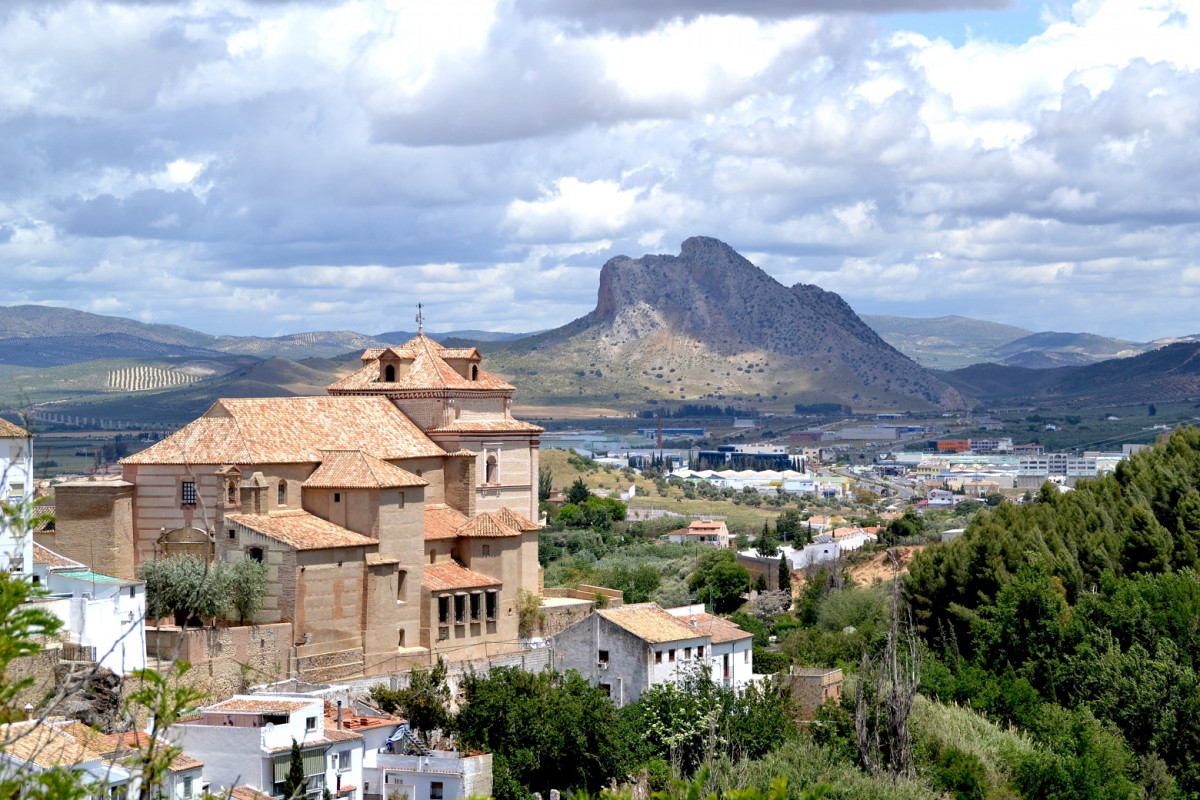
(225, 660)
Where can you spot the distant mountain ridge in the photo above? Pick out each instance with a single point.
(707, 325)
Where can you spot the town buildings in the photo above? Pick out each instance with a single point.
(629, 649)
(712, 532)
(16, 491)
(395, 515)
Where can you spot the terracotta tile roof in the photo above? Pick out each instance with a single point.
(301, 530)
(450, 575)
(427, 369)
(443, 522)
(354, 469)
(258, 705)
(10, 431)
(136, 740)
(356, 722)
(720, 629)
(334, 735)
(650, 623)
(291, 430)
(514, 520)
(488, 426)
(463, 453)
(45, 557)
(487, 526)
(706, 525)
(49, 744)
(247, 793)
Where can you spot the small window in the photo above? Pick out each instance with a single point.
(658, 656)
(401, 585)
(132, 592)
(232, 492)
(232, 534)
(400, 642)
(671, 655)
(443, 610)
(256, 554)
(687, 653)
(487, 549)
(474, 372)
(187, 787)
(607, 689)
(476, 607)
(700, 651)
(493, 470)
(187, 493)
(435, 790)
(602, 656)
(389, 373)
(460, 609)
(432, 556)
(493, 604)
(282, 493)
(745, 656)
(310, 724)
(400, 499)
(337, 497)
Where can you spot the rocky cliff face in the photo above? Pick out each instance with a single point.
(709, 325)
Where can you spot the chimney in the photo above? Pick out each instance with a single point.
(339, 717)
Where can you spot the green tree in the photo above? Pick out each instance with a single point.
(185, 587)
(246, 583)
(295, 783)
(720, 581)
(785, 575)
(767, 543)
(530, 615)
(578, 492)
(545, 483)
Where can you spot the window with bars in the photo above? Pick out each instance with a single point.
(187, 493)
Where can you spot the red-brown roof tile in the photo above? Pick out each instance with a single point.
(354, 469)
(443, 522)
(291, 430)
(10, 431)
(301, 530)
(427, 369)
(450, 575)
(488, 426)
(487, 526)
(45, 557)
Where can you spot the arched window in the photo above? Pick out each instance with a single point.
(493, 470)
(282, 492)
(389, 373)
(474, 372)
(232, 492)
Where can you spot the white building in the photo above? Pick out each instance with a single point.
(99, 612)
(37, 746)
(247, 741)
(629, 649)
(704, 531)
(16, 492)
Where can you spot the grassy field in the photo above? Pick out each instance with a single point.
(1104, 428)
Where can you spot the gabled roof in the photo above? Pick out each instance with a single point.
(10, 431)
(487, 526)
(650, 623)
(514, 520)
(125, 743)
(301, 530)
(719, 629)
(427, 369)
(291, 430)
(443, 522)
(451, 575)
(45, 557)
(257, 705)
(489, 426)
(49, 744)
(354, 469)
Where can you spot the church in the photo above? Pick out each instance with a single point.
(396, 516)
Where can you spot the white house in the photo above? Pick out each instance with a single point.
(247, 741)
(35, 746)
(704, 531)
(99, 612)
(629, 649)
(730, 657)
(16, 491)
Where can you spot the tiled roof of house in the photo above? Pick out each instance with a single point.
(49, 744)
(244, 792)
(443, 522)
(354, 469)
(427, 369)
(10, 431)
(720, 629)
(257, 705)
(291, 430)
(45, 557)
(136, 740)
(450, 575)
(514, 520)
(706, 525)
(301, 530)
(488, 426)
(487, 526)
(356, 722)
(650, 623)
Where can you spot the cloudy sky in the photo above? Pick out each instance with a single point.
(271, 167)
